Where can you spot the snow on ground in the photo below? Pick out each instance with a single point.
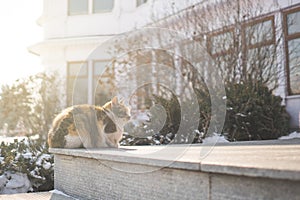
(215, 138)
(293, 135)
(12, 183)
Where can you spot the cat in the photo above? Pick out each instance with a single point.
(89, 126)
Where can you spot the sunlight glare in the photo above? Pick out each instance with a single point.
(19, 30)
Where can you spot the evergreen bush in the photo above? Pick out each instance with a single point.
(253, 112)
(30, 157)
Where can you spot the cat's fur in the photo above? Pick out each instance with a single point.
(89, 126)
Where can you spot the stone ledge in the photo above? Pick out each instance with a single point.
(265, 159)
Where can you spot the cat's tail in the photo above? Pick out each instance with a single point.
(58, 130)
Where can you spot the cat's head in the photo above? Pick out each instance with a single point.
(121, 112)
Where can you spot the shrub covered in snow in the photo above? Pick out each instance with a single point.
(253, 112)
(25, 166)
(163, 125)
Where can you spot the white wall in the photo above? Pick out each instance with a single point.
(124, 17)
(73, 38)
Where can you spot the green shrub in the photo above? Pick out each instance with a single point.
(172, 119)
(204, 109)
(167, 112)
(254, 113)
(29, 157)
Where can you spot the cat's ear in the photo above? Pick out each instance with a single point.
(114, 101)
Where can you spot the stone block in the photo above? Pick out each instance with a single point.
(249, 188)
(87, 178)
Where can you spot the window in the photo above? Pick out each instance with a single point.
(82, 7)
(221, 43)
(103, 78)
(140, 2)
(77, 83)
(100, 6)
(89, 79)
(293, 20)
(260, 51)
(78, 7)
(292, 38)
(243, 51)
(260, 32)
(294, 65)
(220, 46)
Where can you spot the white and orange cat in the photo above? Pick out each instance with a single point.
(89, 126)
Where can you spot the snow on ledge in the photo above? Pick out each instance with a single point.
(215, 138)
(293, 135)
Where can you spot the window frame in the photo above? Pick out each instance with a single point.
(95, 61)
(216, 33)
(95, 77)
(72, 77)
(253, 22)
(287, 38)
(90, 8)
(104, 11)
(83, 13)
(246, 47)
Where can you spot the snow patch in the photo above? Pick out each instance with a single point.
(35, 173)
(293, 135)
(27, 155)
(47, 165)
(3, 181)
(12, 183)
(8, 140)
(215, 138)
(43, 158)
(1, 159)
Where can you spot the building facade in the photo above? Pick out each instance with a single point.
(73, 29)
